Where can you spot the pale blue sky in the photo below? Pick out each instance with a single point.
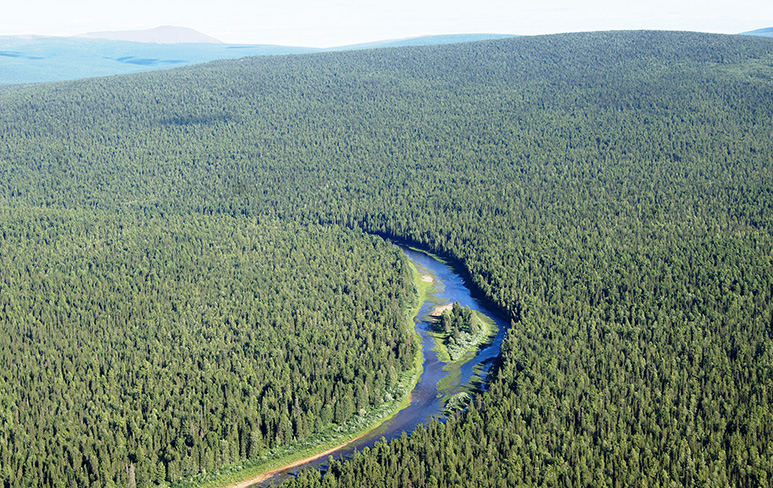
(325, 23)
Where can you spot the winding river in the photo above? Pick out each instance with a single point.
(427, 400)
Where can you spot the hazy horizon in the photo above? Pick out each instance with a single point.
(338, 22)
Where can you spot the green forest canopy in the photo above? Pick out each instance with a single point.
(611, 192)
(150, 348)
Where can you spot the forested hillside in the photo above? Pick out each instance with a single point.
(611, 192)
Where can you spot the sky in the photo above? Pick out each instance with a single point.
(328, 23)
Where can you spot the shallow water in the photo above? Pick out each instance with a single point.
(426, 400)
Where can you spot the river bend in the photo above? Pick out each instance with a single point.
(426, 400)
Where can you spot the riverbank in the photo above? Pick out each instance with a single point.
(269, 474)
(254, 472)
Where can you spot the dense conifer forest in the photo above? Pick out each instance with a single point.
(138, 350)
(181, 249)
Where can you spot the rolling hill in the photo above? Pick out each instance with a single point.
(766, 32)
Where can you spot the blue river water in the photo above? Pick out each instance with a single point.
(427, 401)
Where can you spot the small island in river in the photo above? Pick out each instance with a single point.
(459, 331)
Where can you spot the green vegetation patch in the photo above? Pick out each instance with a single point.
(457, 403)
(460, 331)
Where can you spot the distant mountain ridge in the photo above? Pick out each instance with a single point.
(166, 34)
(765, 32)
(426, 41)
(46, 59)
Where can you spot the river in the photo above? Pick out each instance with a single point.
(426, 400)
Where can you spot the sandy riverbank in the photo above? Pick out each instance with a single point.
(438, 311)
(259, 478)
